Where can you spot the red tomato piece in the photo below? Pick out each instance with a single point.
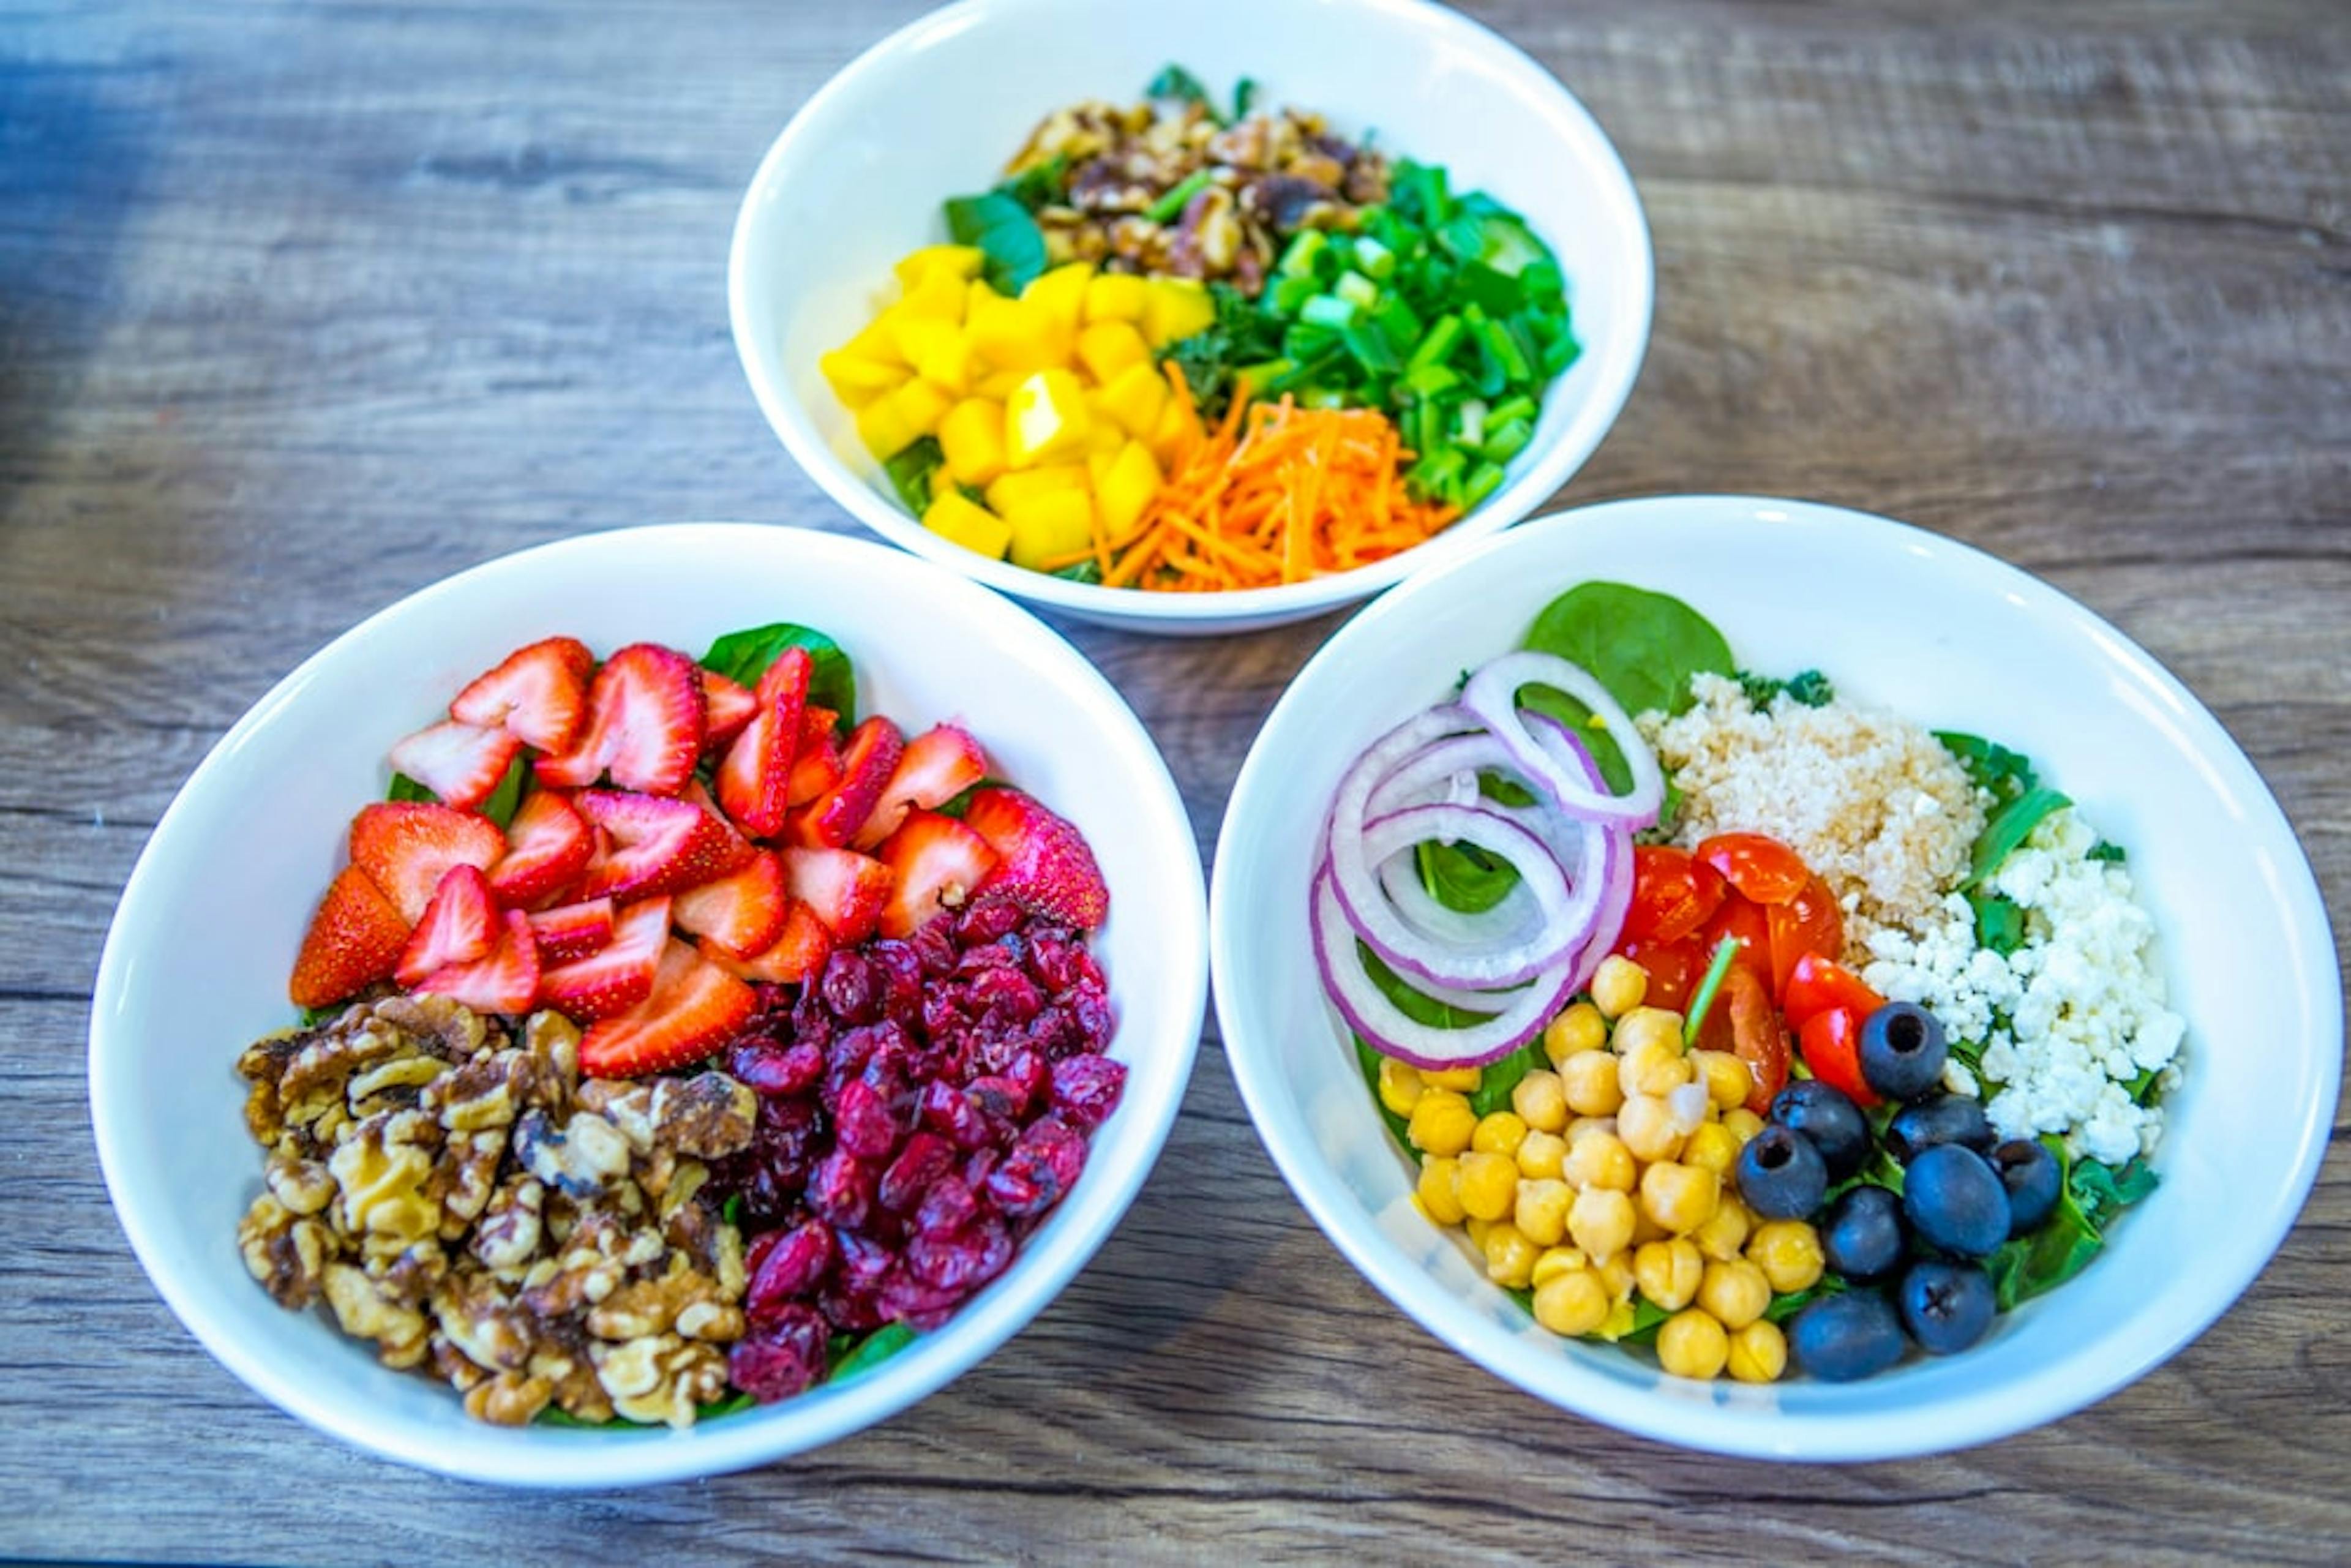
(1816, 984)
(1743, 1020)
(1808, 923)
(1739, 917)
(1673, 970)
(1673, 894)
(1831, 1042)
(1765, 870)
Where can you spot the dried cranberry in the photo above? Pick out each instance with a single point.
(810, 1023)
(919, 1306)
(947, 1205)
(862, 1124)
(1091, 1007)
(850, 988)
(1038, 1171)
(979, 1167)
(773, 1070)
(943, 1010)
(863, 1260)
(850, 1312)
(1062, 1145)
(986, 920)
(925, 1158)
(793, 1267)
(840, 1189)
(997, 1098)
(961, 1260)
(1030, 1070)
(1006, 996)
(779, 1359)
(1086, 1089)
(900, 970)
(1055, 1031)
(933, 947)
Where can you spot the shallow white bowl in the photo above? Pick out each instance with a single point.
(934, 110)
(1953, 638)
(195, 965)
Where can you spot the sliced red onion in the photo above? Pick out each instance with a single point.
(1486, 960)
(1492, 695)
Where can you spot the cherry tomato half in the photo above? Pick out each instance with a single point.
(1765, 870)
(1808, 923)
(1673, 970)
(1746, 921)
(1831, 1043)
(1743, 1020)
(1816, 984)
(1672, 893)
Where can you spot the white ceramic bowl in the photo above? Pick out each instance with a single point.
(1930, 628)
(196, 962)
(856, 181)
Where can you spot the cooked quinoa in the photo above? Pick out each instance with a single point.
(1870, 801)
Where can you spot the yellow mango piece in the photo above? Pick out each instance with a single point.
(1098, 463)
(1014, 335)
(998, 384)
(1173, 434)
(1134, 398)
(1044, 418)
(953, 516)
(884, 428)
(949, 364)
(939, 295)
(1061, 293)
(1018, 486)
(1175, 308)
(1050, 528)
(919, 336)
(1106, 348)
(878, 342)
(1116, 297)
(922, 405)
(972, 436)
(1105, 436)
(959, 262)
(857, 381)
(1121, 493)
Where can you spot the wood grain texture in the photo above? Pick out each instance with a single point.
(303, 306)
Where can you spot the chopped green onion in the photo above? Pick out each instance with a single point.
(1470, 422)
(1436, 347)
(1482, 481)
(1322, 397)
(1253, 380)
(1373, 259)
(1173, 203)
(1328, 311)
(1396, 319)
(1291, 291)
(1371, 349)
(1703, 997)
(1298, 261)
(1357, 290)
(1513, 410)
(1506, 440)
(1431, 381)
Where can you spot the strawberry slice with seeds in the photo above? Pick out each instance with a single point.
(743, 913)
(696, 794)
(406, 847)
(938, 863)
(832, 819)
(459, 925)
(795, 957)
(644, 725)
(460, 762)
(726, 707)
(539, 694)
(937, 764)
(817, 767)
(572, 930)
(503, 980)
(354, 940)
(695, 1008)
(651, 845)
(842, 888)
(756, 775)
(1044, 862)
(547, 846)
(617, 975)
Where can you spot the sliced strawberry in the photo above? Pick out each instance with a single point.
(938, 863)
(795, 955)
(547, 846)
(1043, 861)
(461, 763)
(539, 695)
(726, 707)
(937, 764)
(354, 941)
(842, 888)
(832, 819)
(617, 975)
(756, 774)
(744, 914)
(572, 930)
(695, 1008)
(817, 767)
(459, 925)
(503, 980)
(654, 846)
(695, 794)
(407, 846)
(644, 725)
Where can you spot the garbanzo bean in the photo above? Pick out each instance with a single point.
(1579, 1029)
(1669, 1272)
(1690, 1343)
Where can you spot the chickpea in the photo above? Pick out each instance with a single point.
(1646, 1126)
(1460, 1080)
(1679, 1197)
(1487, 1185)
(1441, 1123)
(1542, 1154)
(1789, 1254)
(1736, 1292)
(1400, 1086)
(1654, 1068)
(1584, 1125)
(1743, 1123)
(1601, 1221)
(1728, 1082)
(1759, 1353)
(1540, 1100)
(1588, 1080)
(1692, 1344)
(1600, 1161)
(1616, 1274)
(1557, 1261)
(1476, 1229)
(1645, 1029)
(1668, 1272)
(1723, 1235)
(1579, 1029)
(1712, 1147)
(1435, 1192)
(1618, 986)
(1498, 1134)
(1572, 1303)
(1509, 1257)
(1646, 1229)
(1541, 1210)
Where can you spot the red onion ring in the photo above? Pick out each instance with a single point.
(1492, 695)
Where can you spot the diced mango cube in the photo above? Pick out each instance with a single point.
(1020, 485)
(972, 436)
(1126, 490)
(1014, 335)
(919, 336)
(939, 294)
(1106, 348)
(1105, 436)
(879, 340)
(1061, 293)
(1175, 308)
(959, 262)
(922, 405)
(1098, 463)
(856, 381)
(998, 384)
(1051, 527)
(1177, 429)
(1116, 297)
(954, 516)
(949, 364)
(1133, 398)
(1045, 418)
(883, 427)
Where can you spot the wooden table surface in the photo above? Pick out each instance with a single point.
(304, 305)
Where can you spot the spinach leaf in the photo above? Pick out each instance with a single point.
(1809, 688)
(870, 1352)
(1245, 334)
(1494, 1086)
(1085, 571)
(1369, 1061)
(2008, 827)
(743, 657)
(1421, 1009)
(2093, 1194)
(1647, 1319)
(1040, 185)
(1787, 1303)
(2104, 1191)
(958, 804)
(910, 470)
(1244, 96)
(315, 1018)
(1644, 647)
(1990, 764)
(1175, 84)
(2141, 1088)
(1463, 876)
(1999, 922)
(1006, 235)
(2103, 850)
(403, 787)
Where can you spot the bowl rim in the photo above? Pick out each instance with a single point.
(552, 1457)
(1838, 1437)
(1559, 462)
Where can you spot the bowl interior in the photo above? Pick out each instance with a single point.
(195, 965)
(858, 178)
(1952, 639)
